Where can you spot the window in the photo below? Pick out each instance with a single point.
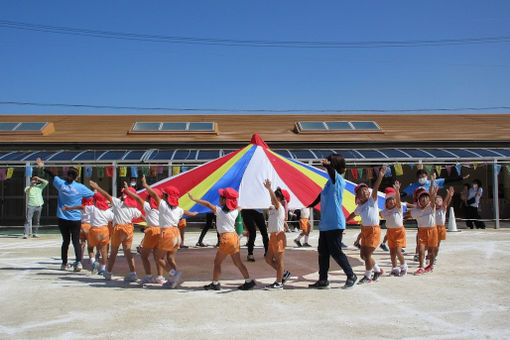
(336, 126)
(26, 127)
(174, 127)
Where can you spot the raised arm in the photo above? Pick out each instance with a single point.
(396, 186)
(331, 171)
(204, 203)
(103, 192)
(382, 172)
(150, 191)
(274, 200)
(448, 198)
(40, 164)
(433, 191)
(132, 194)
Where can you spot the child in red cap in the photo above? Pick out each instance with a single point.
(85, 222)
(441, 210)
(396, 232)
(226, 214)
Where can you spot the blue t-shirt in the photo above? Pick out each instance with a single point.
(412, 187)
(332, 215)
(70, 194)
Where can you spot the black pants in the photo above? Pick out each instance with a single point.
(253, 219)
(209, 223)
(70, 229)
(473, 215)
(330, 244)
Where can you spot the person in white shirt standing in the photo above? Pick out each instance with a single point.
(473, 203)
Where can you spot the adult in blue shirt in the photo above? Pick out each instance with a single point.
(332, 223)
(70, 193)
(422, 180)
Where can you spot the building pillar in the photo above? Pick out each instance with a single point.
(114, 179)
(495, 195)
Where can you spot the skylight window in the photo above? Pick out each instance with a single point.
(335, 126)
(174, 127)
(22, 126)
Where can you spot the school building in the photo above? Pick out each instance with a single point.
(110, 148)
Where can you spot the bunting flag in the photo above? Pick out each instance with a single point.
(109, 171)
(428, 168)
(184, 168)
(360, 172)
(53, 169)
(497, 167)
(10, 172)
(245, 170)
(176, 170)
(354, 173)
(376, 171)
(40, 171)
(507, 168)
(145, 170)
(159, 169)
(458, 167)
(134, 172)
(388, 171)
(370, 174)
(475, 165)
(398, 169)
(3, 174)
(100, 171)
(64, 170)
(88, 171)
(28, 171)
(449, 170)
(411, 165)
(79, 171)
(123, 171)
(153, 171)
(438, 170)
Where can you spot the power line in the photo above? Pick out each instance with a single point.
(230, 110)
(249, 43)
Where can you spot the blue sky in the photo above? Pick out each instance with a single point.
(54, 68)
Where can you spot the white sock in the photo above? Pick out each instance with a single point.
(103, 266)
(172, 272)
(92, 260)
(403, 266)
(248, 280)
(215, 282)
(394, 268)
(306, 239)
(368, 274)
(298, 238)
(376, 268)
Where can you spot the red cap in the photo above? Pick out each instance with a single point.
(286, 195)
(173, 195)
(152, 201)
(87, 201)
(128, 200)
(231, 196)
(417, 192)
(101, 201)
(359, 186)
(390, 192)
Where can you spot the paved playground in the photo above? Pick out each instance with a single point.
(467, 296)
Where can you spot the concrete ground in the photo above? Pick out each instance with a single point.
(467, 296)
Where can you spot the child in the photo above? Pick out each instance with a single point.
(151, 235)
(441, 209)
(395, 231)
(182, 227)
(277, 239)
(124, 211)
(226, 215)
(305, 226)
(416, 193)
(425, 216)
(85, 222)
(370, 231)
(169, 240)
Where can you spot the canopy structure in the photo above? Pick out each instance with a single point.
(245, 170)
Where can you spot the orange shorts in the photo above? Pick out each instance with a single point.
(396, 237)
(122, 233)
(182, 224)
(304, 224)
(277, 242)
(229, 243)
(169, 239)
(85, 227)
(441, 232)
(370, 236)
(98, 236)
(428, 236)
(151, 237)
(110, 229)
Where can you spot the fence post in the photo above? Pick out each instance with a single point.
(495, 194)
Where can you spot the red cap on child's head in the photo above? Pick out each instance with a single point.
(231, 196)
(390, 192)
(173, 195)
(128, 200)
(87, 201)
(286, 195)
(359, 186)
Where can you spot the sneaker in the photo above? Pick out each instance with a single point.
(160, 279)
(298, 243)
(321, 284)
(307, 245)
(101, 272)
(95, 268)
(419, 271)
(131, 277)
(364, 280)
(274, 286)
(349, 283)
(107, 275)
(147, 279)
(36, 236)
(174, 280)
(247, 285)
(200, 244)
(357, 245)
(377, 275)
(416, 258)
(286, 276)
(435, 261)
(183, 247)
(25, 236)
(63, 266)
(384, 247)
(78, 267)
(403, 250)
(429, 268)
(395, 272)
(403, 272)
(212, 286)
(343, 245)
(250, 258)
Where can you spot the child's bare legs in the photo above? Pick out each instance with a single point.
(275, 260)
(90, 250)
(126, 247)
(104, 253)
(144, 254)
(421, 253)
(432, 251)
(367, 257)
(111, 259)
(385, 239)
(396, 253)
(218, 259)
(170, 257)
(437, 249)
(159, 256)
(236, 257)
(181, 232)
(159, 268)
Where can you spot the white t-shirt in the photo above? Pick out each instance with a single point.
(85, 215)
(151, 215)
(305, 213)
(276, 219)
(426, 218)
(440, 216)
(226, 221)
(100, 218)
(169, 217)
(394, 217)
(123, 214)
(369, 212)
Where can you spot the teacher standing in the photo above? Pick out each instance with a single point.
(70, 193)
(332, 223)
